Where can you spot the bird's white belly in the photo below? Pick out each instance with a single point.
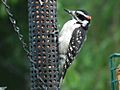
(66, 34)
(65, 39)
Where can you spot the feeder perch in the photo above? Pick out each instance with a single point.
(115, 71)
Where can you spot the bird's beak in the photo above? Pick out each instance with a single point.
(89, 17)
(68, 11)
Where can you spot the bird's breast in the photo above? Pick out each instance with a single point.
(66, 34)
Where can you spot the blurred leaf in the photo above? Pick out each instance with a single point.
(2, 11)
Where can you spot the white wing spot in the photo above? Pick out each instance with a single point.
(68, 54)
(76, 38)
(71, 48)
(80, 37)
(72, 42)
(79, 41)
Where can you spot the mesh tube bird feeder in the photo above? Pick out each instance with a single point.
(115, 71)
(43, 36)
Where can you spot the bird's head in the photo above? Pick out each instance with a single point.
(81, 16)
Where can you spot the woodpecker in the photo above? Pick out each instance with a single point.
(71, 38)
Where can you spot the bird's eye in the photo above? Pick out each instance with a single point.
(81, 17)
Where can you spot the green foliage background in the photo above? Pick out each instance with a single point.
(90, 71)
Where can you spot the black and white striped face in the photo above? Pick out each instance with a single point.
(81, 16)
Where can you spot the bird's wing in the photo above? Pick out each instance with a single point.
(76, 42)
(75, 45)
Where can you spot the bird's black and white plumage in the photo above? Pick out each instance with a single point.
(72, 37)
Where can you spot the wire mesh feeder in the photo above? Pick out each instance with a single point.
(43, 38)
(115, 71)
